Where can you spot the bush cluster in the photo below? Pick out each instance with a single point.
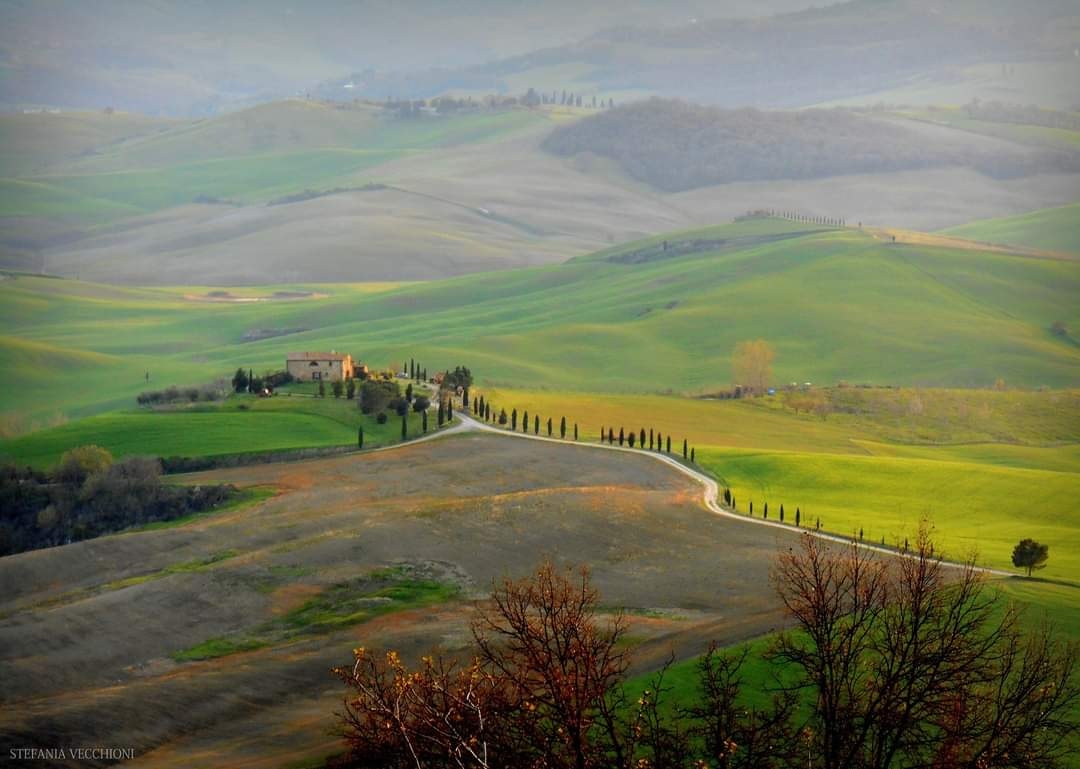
(88, 495)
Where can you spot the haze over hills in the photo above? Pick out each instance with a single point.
(909, 51)
(306, 190)
(200, 57)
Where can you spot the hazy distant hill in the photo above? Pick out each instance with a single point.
(304, 190)
(197, 56)
(1006, 49)
(675, 145)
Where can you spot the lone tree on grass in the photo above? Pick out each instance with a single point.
(752, 365)
(1029, 554)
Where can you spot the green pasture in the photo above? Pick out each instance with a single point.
(1051, 229)
(836, 305)
(975, 508)
(239, 425)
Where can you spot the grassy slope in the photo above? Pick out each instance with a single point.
(1053, 229)
(240, 424)
(975, 507)
(836, 305)
(249, 156)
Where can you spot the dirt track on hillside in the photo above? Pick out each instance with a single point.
(92, 665)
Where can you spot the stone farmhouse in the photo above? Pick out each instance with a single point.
(323, 366)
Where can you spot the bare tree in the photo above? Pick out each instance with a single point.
(911, 663)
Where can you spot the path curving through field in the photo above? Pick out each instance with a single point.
(711, 489)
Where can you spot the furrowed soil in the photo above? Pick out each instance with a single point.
(125, 640)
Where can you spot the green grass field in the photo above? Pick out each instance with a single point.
(1053, 229)
(975, 508)
(836, 305)
(239, 425)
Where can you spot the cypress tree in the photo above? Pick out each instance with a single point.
(734, 507)
(692, 460)
(360, 437)
(513, 420)
(603, 434)
(641, 438)
(536, 425)
(525, 423)
(766, 509)
(860, 534)
(659, 441)
(611, 436)
(575, 431)
(797, 517)
(766, 515)
(669, 444)
(650, 439)
(684, 454)
(631, 438)
(751, 507)
(465, 398)
(449, 411)
(781, 513)
(622, 436)
(423, 420)
(409, 394)
(562, 428)
(322, 389)
(251, 383)
(549, 427)
(442, 413)
(405, 425)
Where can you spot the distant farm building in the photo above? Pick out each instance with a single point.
(321, 366)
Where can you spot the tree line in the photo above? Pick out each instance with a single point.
(89, 494)
(889, 662)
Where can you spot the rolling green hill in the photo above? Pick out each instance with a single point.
(1052, 229)
(836, 305)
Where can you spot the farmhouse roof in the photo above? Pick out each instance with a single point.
(315, 356)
